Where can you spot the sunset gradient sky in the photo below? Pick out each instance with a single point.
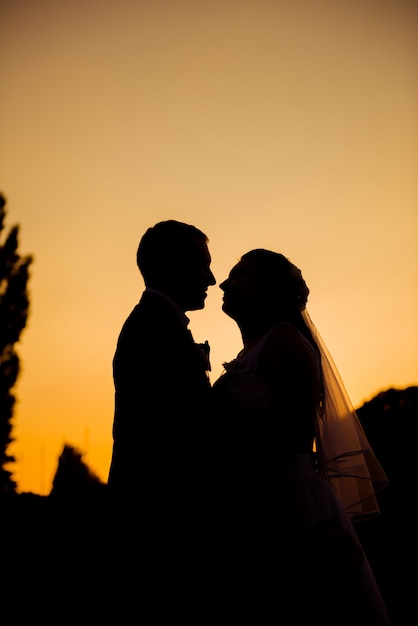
(284, 124)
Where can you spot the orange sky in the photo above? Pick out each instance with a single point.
(281, 124)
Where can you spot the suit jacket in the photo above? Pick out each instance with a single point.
(162, 393)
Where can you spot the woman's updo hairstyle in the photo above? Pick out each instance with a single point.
(282, 280)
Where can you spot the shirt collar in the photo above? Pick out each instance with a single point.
(180, 314)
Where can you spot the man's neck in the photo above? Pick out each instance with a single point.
(181, 314)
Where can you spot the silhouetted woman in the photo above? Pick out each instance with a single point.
(294, 467)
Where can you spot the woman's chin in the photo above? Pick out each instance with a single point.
(226, 310)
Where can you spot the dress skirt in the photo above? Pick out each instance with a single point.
(285, 545)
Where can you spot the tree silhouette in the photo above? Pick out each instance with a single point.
(74, 480)
(14, 308)
(390, 421)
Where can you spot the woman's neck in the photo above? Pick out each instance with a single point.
(252, 333)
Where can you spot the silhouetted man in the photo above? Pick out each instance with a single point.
(162, 386)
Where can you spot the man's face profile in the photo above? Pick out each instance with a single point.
(193, 275)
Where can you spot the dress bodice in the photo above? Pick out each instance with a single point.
(273, 506)
(244, 393)
(259, 419)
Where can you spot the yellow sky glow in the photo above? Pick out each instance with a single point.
(289, 125)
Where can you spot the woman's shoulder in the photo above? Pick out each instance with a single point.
(286, 334)
(286, 349)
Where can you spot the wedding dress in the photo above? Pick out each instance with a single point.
(283, 507)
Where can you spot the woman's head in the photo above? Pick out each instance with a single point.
(264, 284)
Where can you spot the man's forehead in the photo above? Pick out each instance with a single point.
(199, 247)
(195, 250)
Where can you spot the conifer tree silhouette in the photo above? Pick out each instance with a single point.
(74, 478)
(14, 309)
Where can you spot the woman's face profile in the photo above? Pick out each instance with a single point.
(241, 290)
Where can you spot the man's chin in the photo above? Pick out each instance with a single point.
(196, 306)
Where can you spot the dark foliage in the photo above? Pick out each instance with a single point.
(65, 547)
(390, 421)
(58, 549)
(14, 309)
(74, 480)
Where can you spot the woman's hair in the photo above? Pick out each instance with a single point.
(280, 277)
(286, 292)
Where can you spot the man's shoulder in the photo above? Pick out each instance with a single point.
(155, 310)
(150, 320)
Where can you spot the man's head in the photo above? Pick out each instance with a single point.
(174, 258)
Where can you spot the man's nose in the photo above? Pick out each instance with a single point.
(211, 278)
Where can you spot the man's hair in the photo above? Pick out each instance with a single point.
(163, 245)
